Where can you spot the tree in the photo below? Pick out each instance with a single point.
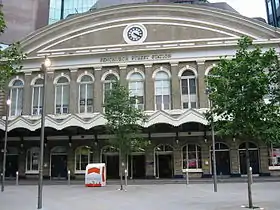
(244, 94)
(10, 58)
(123, 121)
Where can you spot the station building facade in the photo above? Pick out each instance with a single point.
(163, 53)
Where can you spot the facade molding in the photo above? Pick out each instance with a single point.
(98, 119)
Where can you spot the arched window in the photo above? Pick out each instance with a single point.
(86, 94)
(108, 84)
(32, 160)
(82, 158)
(162, 91)
(188, 90)
(193, 157)
(62, 96)
(37, 97)
(136, 89)
(16, 96)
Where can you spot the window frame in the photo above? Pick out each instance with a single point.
(62, 85)
(141, 90)
(198, 161)
(188, 78)
(162, 87)
(16, 88)
(79, 170)
(28, 166)
(87, 85)
(40, 92)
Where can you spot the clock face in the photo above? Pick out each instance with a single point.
(135, 34)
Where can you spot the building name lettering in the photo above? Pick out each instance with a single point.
(131, 58)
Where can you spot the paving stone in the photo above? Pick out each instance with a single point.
(230, 196)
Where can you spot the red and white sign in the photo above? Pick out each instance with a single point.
(95, 175)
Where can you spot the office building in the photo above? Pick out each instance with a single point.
(273, 12)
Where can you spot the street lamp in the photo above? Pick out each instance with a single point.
(8, 103)
(44, 68)
(208, 92)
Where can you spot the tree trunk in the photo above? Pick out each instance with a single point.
(249, 181)
(121, 171)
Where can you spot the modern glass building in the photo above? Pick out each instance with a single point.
(273, 12)
(60, 9)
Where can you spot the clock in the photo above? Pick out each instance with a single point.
(135, 34)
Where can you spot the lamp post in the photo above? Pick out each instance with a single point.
(44, 68)
(8, 103)
(208, 92)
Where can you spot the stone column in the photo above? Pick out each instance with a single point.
(206, 159)
(123, 73)
(263, 156)
(150, 163)
(71, 161)
(50, 93)
(177, 162)
(21, 162)
(234, 153)
(98, 90)
(73, 101)
(149, 88)
(203, 101)
(27, 94)
(175, 87)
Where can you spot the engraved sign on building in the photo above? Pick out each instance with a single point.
(135, 58)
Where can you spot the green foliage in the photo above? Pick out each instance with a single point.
(124, 120)
(238, 89)
(10, 58)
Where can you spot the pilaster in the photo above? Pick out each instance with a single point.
(50, 93)
(264, 167)
(175, 87)
(149, 88)
(27, 94)
(177, 162)
(150, 163)
(97, 90)
(234, 159)
(73, 105)
(123, 73)
(202, 102)
(206, 159)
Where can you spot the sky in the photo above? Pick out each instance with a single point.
(249, 8)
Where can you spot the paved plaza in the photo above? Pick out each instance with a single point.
(230, 196)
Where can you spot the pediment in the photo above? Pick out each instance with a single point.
(156, 33)
(165, 24)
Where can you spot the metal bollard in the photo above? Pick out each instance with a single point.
(69, 177)
(250, 176)
(126, 174)
(187, 176)
(17, 177)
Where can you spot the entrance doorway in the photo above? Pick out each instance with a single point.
(110, 156)
(222, 159)
(253, 155)
(137, 165)
(163, 161)
(11, 162)
(58, 163)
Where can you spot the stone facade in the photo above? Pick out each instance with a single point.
(174, 39)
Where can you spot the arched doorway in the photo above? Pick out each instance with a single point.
(58, 162)
(11, 162)
(222, 158)
(253, 155)
(137, 164)
(110, 156)
(163, 156)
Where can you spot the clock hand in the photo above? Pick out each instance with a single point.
(137, 34)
